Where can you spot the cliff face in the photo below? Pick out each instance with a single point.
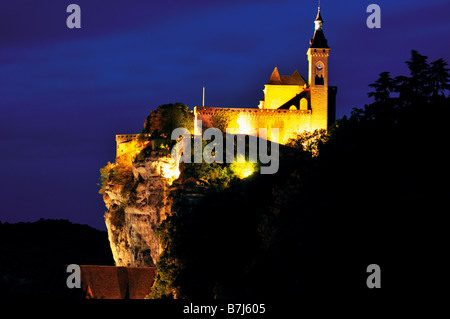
(134, 214)
(153, 188)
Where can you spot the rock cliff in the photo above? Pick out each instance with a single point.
(136, 208)
(134, 214)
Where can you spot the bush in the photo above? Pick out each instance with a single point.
(167, 117)
(116, 174)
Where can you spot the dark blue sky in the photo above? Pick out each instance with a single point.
(65, 93)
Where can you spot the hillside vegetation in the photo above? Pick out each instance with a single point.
(368, 191)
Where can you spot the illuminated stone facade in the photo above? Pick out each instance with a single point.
(288, 121)
(290, 103)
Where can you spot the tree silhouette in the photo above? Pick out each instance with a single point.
(439, 77)
(426, 82)
(383, 87)
(382, 107)
(403, 88)
(418, 67)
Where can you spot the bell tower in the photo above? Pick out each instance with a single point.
(318, 53)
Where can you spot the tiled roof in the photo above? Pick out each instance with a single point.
(109, 282)
(294, 79)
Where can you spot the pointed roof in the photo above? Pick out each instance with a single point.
(294, 79)
(319, 40)
(319, 16)
(275, 77)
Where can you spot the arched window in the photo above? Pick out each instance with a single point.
(303, 104)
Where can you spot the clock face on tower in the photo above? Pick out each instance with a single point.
(319, 66)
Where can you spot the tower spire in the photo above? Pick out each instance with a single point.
(318, 40)
(319, 20)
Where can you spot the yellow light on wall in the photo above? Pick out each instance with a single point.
(243, 170)
(244, 125)
(129, 151)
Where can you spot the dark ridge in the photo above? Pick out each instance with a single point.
(34, 256)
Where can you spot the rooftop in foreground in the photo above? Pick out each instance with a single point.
(110, 282)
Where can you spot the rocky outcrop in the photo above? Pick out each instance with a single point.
(134, 213)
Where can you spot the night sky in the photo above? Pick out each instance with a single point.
(65, 93)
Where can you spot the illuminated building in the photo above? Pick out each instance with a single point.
(290, 103)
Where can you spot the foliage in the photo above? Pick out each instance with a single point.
(172, 262)
(384, 86)
(309, 141)
(165, 280)
(219, 174)
(161, 145)
(438, 78)
(215, 173)
(426, 83)
(105, 173)
(116, 174)
(167, 117)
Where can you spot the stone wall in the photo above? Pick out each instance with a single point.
(288, 122)
(123, 141)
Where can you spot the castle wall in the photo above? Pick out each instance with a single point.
(126, 143)
(288, 122)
